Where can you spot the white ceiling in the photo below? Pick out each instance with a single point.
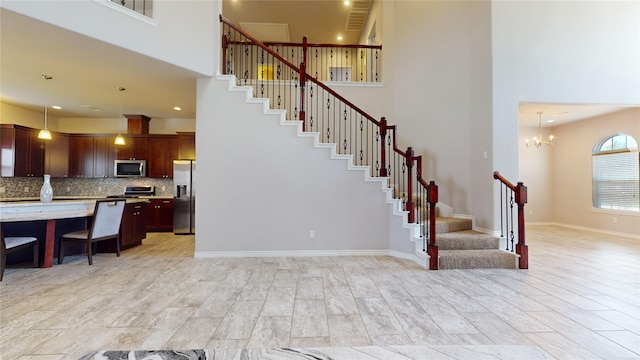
(86, 72)
(559, 114)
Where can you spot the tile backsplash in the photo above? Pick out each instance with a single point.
(19, 187)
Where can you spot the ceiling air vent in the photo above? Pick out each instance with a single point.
(357, 15)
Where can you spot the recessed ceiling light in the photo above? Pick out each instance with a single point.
(550, 120)
(339, 37)
(347, 3)
(57, 107)
(177, 108)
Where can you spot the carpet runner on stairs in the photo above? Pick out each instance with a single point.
(460, 247)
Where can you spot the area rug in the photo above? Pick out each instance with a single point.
(147, 355)
(201, 354)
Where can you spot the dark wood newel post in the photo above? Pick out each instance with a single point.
(411, 205)
(225, 46)
(432, 199)
(521, 247)
(383, 140)
(303, 81)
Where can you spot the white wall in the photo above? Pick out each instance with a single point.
(10, 114)
(185, 27)
(261, 189)
(575, 52)
(572, 172)
(441, 62)
(535, 171)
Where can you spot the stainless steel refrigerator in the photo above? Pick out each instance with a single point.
(184, 196)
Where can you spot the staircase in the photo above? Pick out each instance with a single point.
(458, 245)
(463, 248)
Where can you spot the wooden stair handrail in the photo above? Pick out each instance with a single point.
(520, 192)
(431, 187)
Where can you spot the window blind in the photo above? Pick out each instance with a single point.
(616, 181)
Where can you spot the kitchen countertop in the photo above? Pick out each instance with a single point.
(26, 210)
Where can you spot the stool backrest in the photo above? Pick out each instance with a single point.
(107, 218)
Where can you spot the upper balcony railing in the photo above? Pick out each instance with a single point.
(325, 62)
(144, 7)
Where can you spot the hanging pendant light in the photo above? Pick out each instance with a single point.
(119, 140)
(45, 134)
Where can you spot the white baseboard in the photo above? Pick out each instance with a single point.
(287, 253)
(577, 227)
(310, 253)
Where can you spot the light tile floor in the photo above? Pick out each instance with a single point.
(580, 299)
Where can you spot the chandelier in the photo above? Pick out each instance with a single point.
(538, 140)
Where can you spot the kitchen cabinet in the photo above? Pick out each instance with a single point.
(81, 156)
(187, 145)
(56, 156)
(91, 156)
(104, 156)
(134, 225)
(132, 229)
(22, 151)
(135, 147)
(162, 151)
(160, 215)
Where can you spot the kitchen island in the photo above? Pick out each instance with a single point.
(27, 214)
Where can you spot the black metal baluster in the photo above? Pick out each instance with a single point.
(311, 106)
(317, 64)
(361, 154)
(361, 69)
(512, 227)
(331, 67)
(501, 216)
(328, 119)
(346, 54)
(376, 65)
(344, 136)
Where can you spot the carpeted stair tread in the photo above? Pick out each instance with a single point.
(476, 259)
(467, 240)
(451, 224)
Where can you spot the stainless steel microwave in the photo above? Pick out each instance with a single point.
(130, 168)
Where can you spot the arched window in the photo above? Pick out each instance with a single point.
(616, 173)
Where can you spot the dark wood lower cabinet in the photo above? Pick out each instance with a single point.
(132, 230)
(160, 215)
(134, 225)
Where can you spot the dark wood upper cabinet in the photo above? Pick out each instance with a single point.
(88, 155)
(105, 153)
(81, 156)
(56, 156)
(187, 146)
(22, 151)
(135, 147)
(163, 150)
